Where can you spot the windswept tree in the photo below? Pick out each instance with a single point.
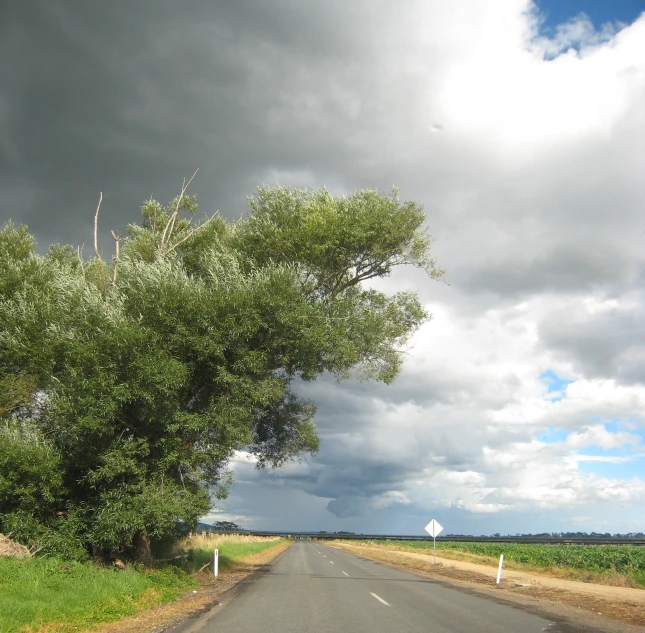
(127, 385)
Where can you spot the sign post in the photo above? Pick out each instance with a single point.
(215, 563)
(433, 529)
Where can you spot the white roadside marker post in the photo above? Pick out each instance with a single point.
(215, 563)
(433, 529)
(499, 570)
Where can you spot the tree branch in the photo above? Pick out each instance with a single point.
(96, 227)
(116, 263)
(174, 246)
(80, 260)
(171, 221)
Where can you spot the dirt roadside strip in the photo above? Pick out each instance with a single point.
(621, 603)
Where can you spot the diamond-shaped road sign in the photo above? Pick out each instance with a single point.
(433, 528)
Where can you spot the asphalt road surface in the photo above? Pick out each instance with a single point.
(313, 588)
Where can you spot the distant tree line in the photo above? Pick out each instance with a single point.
(561, 535)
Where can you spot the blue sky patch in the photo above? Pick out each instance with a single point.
(596, 451)
(613, 426)
(632, 425)
(633, 456)
(633, 467)
(555, 385)
(551, 436)
(598, 11)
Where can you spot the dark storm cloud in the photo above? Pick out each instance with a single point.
(364, 457)
(562, 267)
(129, 98)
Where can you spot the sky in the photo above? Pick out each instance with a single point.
(519, 128)
(599, 12)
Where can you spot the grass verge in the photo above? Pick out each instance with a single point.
(38, 591)
(47, 594)
(232, 549)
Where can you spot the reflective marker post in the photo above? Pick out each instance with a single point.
(499, 569)
(215, 563)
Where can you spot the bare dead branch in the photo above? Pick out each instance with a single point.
(154, 219)
(174, 246)
(165, 560)
(165, 236)
(210, 562)
(35, 550)
(116, 263)
(96, 227)
(80, 260)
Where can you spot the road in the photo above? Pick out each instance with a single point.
(314, 588)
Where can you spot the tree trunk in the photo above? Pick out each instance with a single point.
(100, 556)
(141, 549)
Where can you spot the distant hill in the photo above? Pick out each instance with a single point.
(203, 527)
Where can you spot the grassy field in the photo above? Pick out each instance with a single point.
(622, 560)
(232, 549)
(35, 592)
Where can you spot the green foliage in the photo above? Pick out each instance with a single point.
(63, 535)
(335, 242)
(32, 478)
(129, 384)
(32, 493)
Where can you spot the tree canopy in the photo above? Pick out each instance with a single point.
(127, 385)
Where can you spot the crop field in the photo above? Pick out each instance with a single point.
(626, 560)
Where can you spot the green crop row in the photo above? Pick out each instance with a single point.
(625, 559)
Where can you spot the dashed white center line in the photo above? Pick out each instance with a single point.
(346, 574)
(331, 561)
(379, 599)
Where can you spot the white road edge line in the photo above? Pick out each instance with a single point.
(387, 604)
(346, 574)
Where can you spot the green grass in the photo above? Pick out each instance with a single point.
(37, 591)
(229, 553)
(626, 560)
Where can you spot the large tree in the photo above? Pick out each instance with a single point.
(127, 385)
